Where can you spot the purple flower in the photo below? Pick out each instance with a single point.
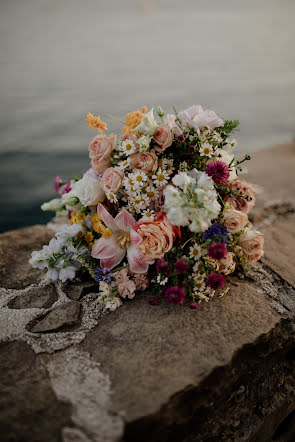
(90, 173)
(103, 274)
(181, 138)
(217, 251)
(181, 266)
(175, 295)
(162, 266)
(218, 171)
(215, 280)
(194, 305)
(154, 300)
(216, 233)
(56, 183)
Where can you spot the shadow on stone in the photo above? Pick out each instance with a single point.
(43, 297)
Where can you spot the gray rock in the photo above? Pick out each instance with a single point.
(64, 317)
(76, 291)
(35, 298)
(29, 409)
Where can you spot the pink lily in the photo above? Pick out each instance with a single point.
(124, 239)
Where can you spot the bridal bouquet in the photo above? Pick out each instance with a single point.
(161, 206)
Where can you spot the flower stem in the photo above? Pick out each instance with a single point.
(114, 118)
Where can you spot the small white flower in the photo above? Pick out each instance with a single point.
(206, 150)
(113, 304)
(183, 166)
(128, 147)
(148, 214)
(195, 252)
(217, 137)
(54, 205)
(160, 178)
(128, 182)
(151, 192)
(123, 164)
(148, 125)
(143, 143)
(181, 180)
(138, 177)
(112, 197)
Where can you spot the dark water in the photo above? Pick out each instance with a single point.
(27, 181)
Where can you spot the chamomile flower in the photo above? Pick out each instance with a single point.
(128, 147)
(123, 164)
(128, 182)
(148, 214)
(112, 197)
(160, 178)
(151, 192)
(138, 177)
(195, 252)
(217, 137)
(206, 150)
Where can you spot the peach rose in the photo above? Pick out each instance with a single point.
(112, 179)
(146, 161)
(163, 137)
(244, 188)
(100, 150)
(234, 220)
(157, 237)
(131, 137)
(252, 243)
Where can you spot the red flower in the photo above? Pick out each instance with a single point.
(215, 280)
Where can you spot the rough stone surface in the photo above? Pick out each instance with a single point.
(226, 372)
(64, 316)
(15, 251)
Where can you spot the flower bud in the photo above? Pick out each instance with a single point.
(160, 111)
(71, 201)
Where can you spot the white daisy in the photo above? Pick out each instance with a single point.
(148, 214)
(138, 177)
(112, 197)
(160, 178)
(217, 137)
(206, 150)
(123, 164)
(195, 252)
(128, 182)
(128, 147)
(151, 192)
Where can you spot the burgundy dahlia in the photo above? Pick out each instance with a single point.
(218, 171)
(181, 266)
(162, 266)
(175, 295)
(215, 280)
(217, 251)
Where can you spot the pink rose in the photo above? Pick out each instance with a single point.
(146, 161)
(112, 179)
(252, 243)
(157, 237)
(163, 137)
(244, 188)
(234, 220)
(131, 137)
(127, 289)
(100, 150)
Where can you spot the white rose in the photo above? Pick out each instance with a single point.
(148, 125)
(234, 220)
(89, 191)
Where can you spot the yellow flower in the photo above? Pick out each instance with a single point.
(77, 218)
(96, 123)
(89, 239)
(106, 232)
(96, 223)
(133, 119)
